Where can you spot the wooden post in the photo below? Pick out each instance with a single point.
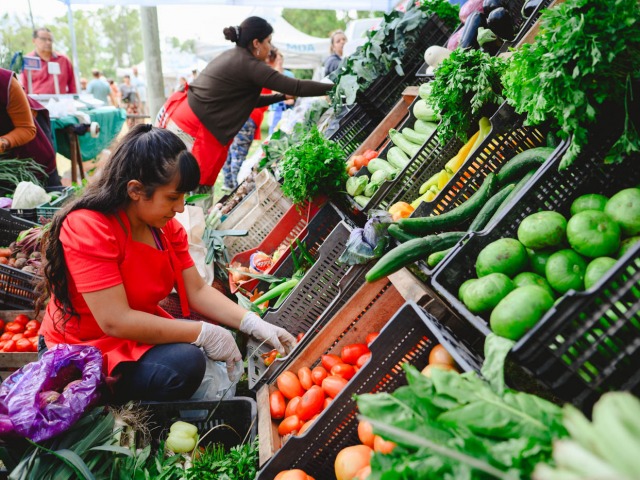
(76, 155)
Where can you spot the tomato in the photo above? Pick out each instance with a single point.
(24, 345)
(2, 345)
(351, 353)
(381, 445)
(292, 406)
(327, 402)
(328, 361)
(363, 360)
(333, 384)
(17, 336)
(270, 358)
(295, 474)
(277, 404)
(30, 332)
(370, 155)
(426, 371)
(6, 336)
(352, 171)
(343, 370)
(307, 425)
(318, 374)
(304, 375)
(290, 425)
(289, 385)
(22, 319)
(9, 346)
(311, 403)
(371, 337)
(299, 336)
(359, 161)
(13, 327)
(1, 325)
(33, 324)
(440, 355)
(365, 433)
(351, 460)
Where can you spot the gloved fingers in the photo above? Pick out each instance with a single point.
(275, 343)
(287, 340)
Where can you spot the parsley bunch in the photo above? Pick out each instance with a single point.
(586, 54)
(314, 165)
(464, 83)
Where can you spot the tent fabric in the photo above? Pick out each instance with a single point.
(384, 5)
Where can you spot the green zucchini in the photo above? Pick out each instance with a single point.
(413, 136)
(381, 164)
(411, 251)
(405, 145)
(425, 128)
(424, 112)
(396, 232)
(519, 186)
(436, 257)
(445, 221)
(485, 214)
(397, 158)
(361, 200)
(514, 169)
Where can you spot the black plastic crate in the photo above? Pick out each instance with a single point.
(229, 422)
(408, 337)
(588, 343)
(43, 213)
(522, 25)
(355, 127)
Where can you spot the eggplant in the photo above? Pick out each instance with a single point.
(529, 7)
(501, 23)
(489, 6)
(469, 38)
(489, 41)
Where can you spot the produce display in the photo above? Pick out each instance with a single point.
(19, 335)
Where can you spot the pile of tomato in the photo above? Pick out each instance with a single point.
(19, 335)
(301, 397)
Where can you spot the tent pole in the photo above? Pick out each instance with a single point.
(74, 46)
(152, 60)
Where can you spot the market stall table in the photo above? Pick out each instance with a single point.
(80, 148)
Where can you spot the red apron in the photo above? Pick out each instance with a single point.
(148, 276)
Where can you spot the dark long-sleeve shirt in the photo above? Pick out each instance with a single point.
(228, 89)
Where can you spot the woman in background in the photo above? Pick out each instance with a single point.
(338, 39)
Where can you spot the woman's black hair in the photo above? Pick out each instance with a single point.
(152, 156)
(250, 29)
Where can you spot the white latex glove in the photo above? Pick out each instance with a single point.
(277, 337)
(218, 343)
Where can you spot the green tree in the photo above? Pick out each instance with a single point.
(15, 36)
(320, 23)
(87, 42)
(123, 35)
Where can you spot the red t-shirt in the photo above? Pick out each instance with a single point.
(94, 251)
(257, 114)
(44, 83)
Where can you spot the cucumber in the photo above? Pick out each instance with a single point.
(411, 251)
(405, 145)
(424, 91)
(491, 207)
(396, 232)
(380, 164)
(436, 257)
(397, 158)
(523, 181)
(444, 221)
(514, 169)
(425, 128)
(413, 136)
(424, 112)
(361, 200)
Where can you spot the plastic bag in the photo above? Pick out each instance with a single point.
(192, 219)
(216, 384)
(46, 397)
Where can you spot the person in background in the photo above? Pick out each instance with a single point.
(83, 85)
(141, 88)
(338, 39)
(98, 87)
(249, 132)
(42, 81)
(220, 100)
(129, 99)
(116, 251)
(182, 84)
(22, 135)
(114, 94)
(277, 109)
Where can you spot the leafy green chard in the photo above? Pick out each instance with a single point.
(585, 57)
(464, 83)
(312, 167)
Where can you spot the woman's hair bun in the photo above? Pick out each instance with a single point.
(232, 34)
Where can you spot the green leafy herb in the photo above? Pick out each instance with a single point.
(464, 83)
(313, 166)
(240, 463)
(585, 57)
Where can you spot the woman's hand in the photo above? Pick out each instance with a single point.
(290, 97)
(218, 343)
(277, 337)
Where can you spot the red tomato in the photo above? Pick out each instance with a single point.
(352, 171)
(363, 360)
(363, 473)
(383, 446)
(299, 336)
(343, 370)
(311, 403)
(30, 332)
(22, 319)
(359, 161)
(290, 425)
(351, 460)
(292, 406)
(1, 325)
(2, 342)
(370, 155)
(333, 384)
(13, 327)
(371, 337)
(32, 324)
(6, 336)
(307, 425)
(276, 404)
(318, 374)
(365, 433)
(289, 385)
(328, 361)
(24, 345)
(351, 353)
(304, 375)
(9, 346)
(293, 475)
(17, 336)
(327, 402)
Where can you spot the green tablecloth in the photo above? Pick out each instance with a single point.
(110, 120)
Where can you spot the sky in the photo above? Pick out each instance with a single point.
(183, 22)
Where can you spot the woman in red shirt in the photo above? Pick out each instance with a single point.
(117, 251)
